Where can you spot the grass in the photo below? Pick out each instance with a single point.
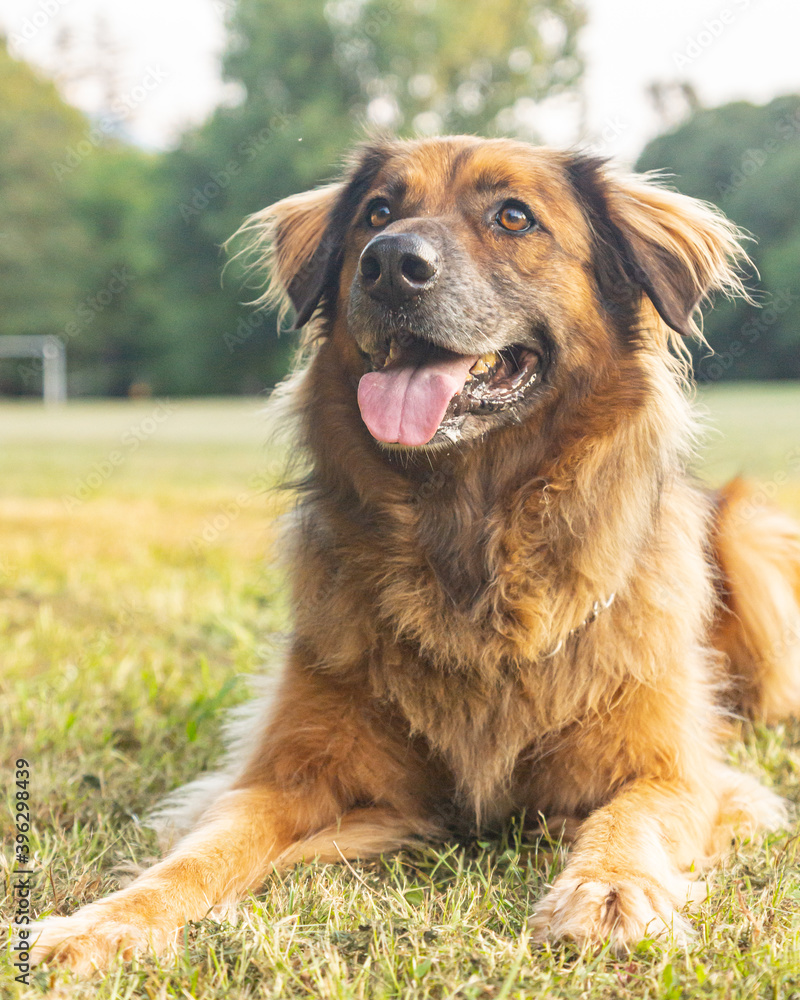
(136, 590)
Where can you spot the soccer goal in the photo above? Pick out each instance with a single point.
(53, 353)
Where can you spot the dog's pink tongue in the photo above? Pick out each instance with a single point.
(405, 405)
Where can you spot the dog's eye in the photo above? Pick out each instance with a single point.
(378, 213)
(515, 218)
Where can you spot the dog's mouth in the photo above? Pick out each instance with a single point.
(415, 389)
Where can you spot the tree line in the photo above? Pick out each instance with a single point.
(119, 251)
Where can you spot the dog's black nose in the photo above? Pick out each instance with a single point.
(395, 267)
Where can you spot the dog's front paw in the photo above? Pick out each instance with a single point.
(89, 942)
(621, 911)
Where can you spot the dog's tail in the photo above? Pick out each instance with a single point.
(757, 549)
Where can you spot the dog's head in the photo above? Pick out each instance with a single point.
(468, 279)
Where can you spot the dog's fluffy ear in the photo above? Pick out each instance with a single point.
(677, 249)
(299, 241)
(287, 242)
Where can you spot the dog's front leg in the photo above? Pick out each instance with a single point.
(324, 779)
(246, 834)
(628, 875)
(230, 852)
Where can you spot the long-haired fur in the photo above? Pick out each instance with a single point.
(544, 619)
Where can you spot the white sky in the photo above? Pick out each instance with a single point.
(166, 54)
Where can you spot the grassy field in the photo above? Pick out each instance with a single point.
(135, 590)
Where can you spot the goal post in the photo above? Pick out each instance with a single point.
(53, 353)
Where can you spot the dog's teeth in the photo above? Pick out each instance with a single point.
(394, 351)
(484, 364)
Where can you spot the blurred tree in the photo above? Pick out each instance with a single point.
(41, 241)
(746, 159)
(73, 253)
(115, 340)
(456, 66)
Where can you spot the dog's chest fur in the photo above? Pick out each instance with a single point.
(459, 654)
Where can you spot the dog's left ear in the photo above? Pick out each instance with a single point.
(677, 249)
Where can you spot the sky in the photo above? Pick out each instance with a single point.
(165, 55)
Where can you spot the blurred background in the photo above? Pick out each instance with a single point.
(134, 138)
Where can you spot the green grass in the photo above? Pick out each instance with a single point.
(754, 430)
(128, 615)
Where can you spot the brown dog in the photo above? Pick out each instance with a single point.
(502, 588)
